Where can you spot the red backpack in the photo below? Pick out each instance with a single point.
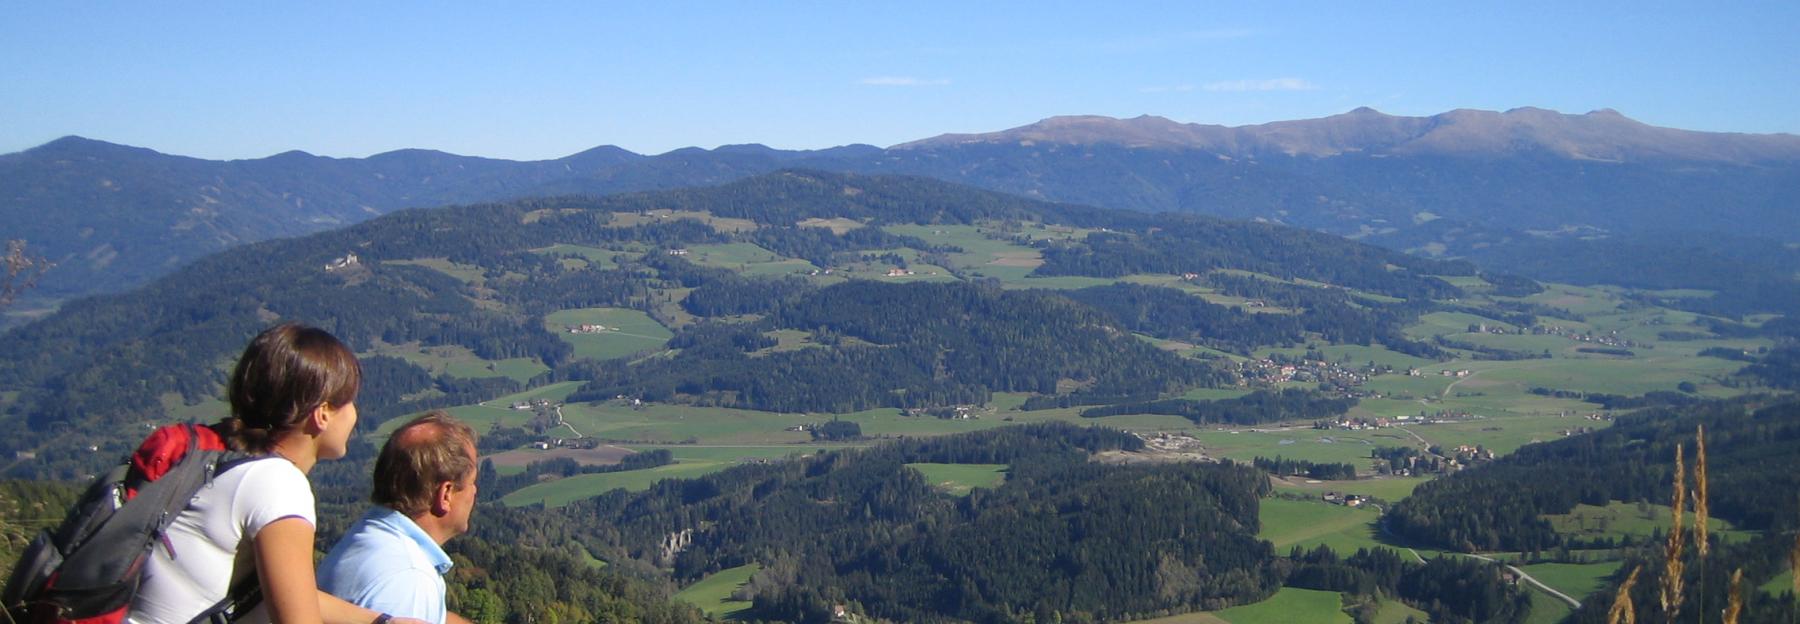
(87, 570)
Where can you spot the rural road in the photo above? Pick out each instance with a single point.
(1528, 578)
(1547, 589)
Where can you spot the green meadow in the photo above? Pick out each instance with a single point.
(1619, 519)
(597, 258)
(627, 331)
(690, 461)
(1385, 488)
(484, 415)
(1782, 583)
(959, 479)
(459, 361)
(1318, 445)
(1309, 524)
(1396, 612)
(713, 593)
(1575, 579)
(1290, 606)
(570, 489)
(206, 411)
(466, 273)
(1545, 608)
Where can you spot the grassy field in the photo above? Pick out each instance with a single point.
(1385, 488)
(570, 489)
(690, 461)
(721, 224)
(1308, 524)
(486, 414)
(959, 479)
(1290, 606)
(1350, 447)
(596, 257)
(466, 273)
(1620, 519)
(1359, 354)
(628, 331)
(1396, 612)
(1545, 608)
(459, 361)
(713, 593)
(206, 411)
(1575, 579)
(1782, 584)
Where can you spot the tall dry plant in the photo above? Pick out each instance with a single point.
(1734, 606)
(1701, 508)
(1622, 612)
(1701, 511)
(1670, 597)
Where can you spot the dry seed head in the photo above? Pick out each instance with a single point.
(1670, 597)
(1735, 606)
(1701, 508)
(1622, 612)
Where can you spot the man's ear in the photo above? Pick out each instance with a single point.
(440, 498)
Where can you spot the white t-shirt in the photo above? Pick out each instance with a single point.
(211, 541)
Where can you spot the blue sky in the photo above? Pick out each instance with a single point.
(535, 80)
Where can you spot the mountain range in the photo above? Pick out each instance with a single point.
(1460, 184)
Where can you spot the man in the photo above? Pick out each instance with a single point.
(392, 560)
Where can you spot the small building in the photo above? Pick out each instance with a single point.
(339, 264)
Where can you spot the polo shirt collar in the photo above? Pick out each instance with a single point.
(399, 523)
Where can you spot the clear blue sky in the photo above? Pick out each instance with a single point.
(535, 80)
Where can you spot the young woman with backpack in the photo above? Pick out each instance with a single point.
(293, 400)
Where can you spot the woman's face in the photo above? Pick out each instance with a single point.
(340, 422)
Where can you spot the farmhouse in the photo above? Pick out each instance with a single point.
(339, 264)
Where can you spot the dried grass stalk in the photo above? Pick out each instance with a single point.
(1622, 612)
(1671, 597)
(1735, 604)
(1701, 508)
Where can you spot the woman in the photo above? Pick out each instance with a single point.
(293, 398)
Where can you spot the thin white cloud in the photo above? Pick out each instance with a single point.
(1274, 84)
(901, 81)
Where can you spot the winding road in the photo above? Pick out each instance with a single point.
(1547, 589)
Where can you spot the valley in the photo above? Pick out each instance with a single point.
(659, 351)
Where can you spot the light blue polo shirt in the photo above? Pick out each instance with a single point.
(385, 562)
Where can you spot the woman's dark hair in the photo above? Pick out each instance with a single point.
(288, 371)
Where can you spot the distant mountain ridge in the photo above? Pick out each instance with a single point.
(1460, 184)
(1602, 135)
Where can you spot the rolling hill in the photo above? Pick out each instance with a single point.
(1474, 184)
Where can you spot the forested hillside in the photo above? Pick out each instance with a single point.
(1750, 446)
(1063, 537)
(485, 278)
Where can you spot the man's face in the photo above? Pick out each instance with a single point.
(462, 498)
